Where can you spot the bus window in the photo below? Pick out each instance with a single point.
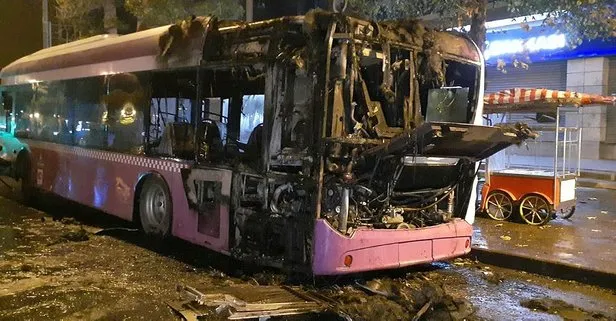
(53, 111)
(42, 112)
(171, 107)
(5, 111)
(252, 115)
(234, 101)
(125, 102)
(90, 112)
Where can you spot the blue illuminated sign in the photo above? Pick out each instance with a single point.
(540, 44)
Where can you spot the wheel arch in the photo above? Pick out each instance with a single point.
(24, 155)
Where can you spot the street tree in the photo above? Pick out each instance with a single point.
(76, 19)
(153, 13)
(579, 19)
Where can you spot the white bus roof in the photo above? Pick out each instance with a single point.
(97, 55)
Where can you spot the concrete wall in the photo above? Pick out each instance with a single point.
(590, 75)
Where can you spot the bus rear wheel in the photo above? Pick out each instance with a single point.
(155, 207)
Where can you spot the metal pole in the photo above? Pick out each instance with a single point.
(249, 10)
(555, 181)
(46, 25)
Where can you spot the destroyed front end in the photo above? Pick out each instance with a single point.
(399, 145)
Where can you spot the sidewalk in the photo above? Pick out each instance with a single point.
(581, 248)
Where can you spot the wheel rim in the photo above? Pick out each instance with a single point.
(155, 206)
(499, 206)
(534, 210)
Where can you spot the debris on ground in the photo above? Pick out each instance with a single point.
(593, 199)
(493, 277)
(505, 237)
(596, 231)
(79, 235)
(69, 221)
(396, 299)
(462, 262)
(592, 217)
(603, 212)
(241, 302)
(111, 230)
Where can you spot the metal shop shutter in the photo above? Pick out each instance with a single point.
(610, 130)
(550, 75)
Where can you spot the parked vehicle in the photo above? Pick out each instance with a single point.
(320, 143)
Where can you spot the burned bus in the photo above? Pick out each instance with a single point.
(321, 143)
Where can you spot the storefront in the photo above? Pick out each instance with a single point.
(544, 60)
(543, 49)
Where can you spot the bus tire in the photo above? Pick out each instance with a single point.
(155, 207)
(23, 173)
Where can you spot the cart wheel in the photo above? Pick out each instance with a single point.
(535, 210)
(499, 206)
(566, 212)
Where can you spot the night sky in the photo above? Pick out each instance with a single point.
(20, 29)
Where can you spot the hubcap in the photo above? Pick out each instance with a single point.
(155, 206)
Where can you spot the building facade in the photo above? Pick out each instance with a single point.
(587, 68)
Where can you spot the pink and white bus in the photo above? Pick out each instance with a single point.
(319, 143)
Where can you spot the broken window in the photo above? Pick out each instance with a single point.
(292, 130)
(171, 130)
(451, 99)
(252, 115)
(387, 84)
(233, 102)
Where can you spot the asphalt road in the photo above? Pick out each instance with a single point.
(54, 267)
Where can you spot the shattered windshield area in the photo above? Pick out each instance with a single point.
(387, 84)
(448, 96)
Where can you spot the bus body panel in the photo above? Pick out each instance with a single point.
(107, 181)
(374, 249)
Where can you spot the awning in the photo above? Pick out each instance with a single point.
(539, 100)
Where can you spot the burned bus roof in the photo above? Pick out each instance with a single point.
(141, 51)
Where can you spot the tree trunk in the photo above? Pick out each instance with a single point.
(478, 24)
(110, 19)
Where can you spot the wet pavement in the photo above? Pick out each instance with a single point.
(65, 263)
(586, 240)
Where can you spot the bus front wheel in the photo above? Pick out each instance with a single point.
(155, 207)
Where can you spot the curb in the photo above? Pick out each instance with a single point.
(593, 183)
(552, 269)
(600, 175)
